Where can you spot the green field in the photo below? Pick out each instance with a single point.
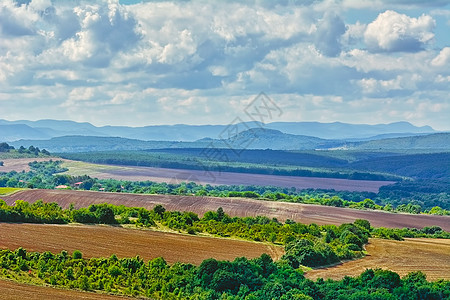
(8, 190)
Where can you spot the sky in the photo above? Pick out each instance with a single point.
(140, 63)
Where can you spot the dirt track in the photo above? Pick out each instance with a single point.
(103, 241)
(17, 291)
(304, 213)
(431, 256)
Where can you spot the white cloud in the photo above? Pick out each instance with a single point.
(381, 88)
(354, 34)
(392, 31)
(443, 59)
(328, 34)
(198, 62)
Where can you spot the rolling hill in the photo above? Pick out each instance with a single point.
(429, 141)
(257, 138)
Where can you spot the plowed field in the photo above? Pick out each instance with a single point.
(103, 241)
(431, 256)
(16, 291)
(304, 213)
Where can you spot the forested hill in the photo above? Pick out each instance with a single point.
(430, 141)
(78, 143)
(250, 139)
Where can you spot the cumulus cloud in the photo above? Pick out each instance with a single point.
(198, 62)
(329, 32)
(443, 59)
(16, 20)
(105, 30)
(392, 31)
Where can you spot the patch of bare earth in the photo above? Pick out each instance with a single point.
(21, 164)
(103, 241)
(10, 290)
(431, 256)
(304, 213)
(231, 178)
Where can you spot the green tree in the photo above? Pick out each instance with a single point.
(220, 214)
(159, 210)
(77, 254)
(105, 215)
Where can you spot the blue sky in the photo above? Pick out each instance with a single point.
(202, 62)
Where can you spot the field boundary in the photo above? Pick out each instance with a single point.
(7, 191)
(239, 207)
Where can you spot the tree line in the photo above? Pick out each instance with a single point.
(269, 162)
(249, 279)
(325, 244)
(436, 200)
(5, 147)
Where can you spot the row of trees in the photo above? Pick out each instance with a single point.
(309, 245)
(225, 160)
(249, 279)
(46, 175)
(5, 147)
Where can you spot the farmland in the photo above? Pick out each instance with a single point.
(20, 164)
(103, 241)
(133, 173)
(18, 291)
(304, 213)
(8, 191)
(431, 256)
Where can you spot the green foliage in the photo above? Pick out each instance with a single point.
(400, 233)
(363, 224)
(77, 254)
(290, 163)
(413, 197)
(4, 147)
(7, 191)
(8, 151)
(309, 245)
(243, 278)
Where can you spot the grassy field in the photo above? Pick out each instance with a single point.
(5, 191)
(431, 256)
(103, 241)
(80, 168)
(240, 207)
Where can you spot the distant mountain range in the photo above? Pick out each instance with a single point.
(250, 139)
(46, 129)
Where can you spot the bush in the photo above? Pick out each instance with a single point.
(77, 254)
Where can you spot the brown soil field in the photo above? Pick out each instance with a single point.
(305, 213)
(231, 178)
(20, 164)
(103, 241)
(431, 256)
(10, 290)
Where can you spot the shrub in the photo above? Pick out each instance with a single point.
(77, 254)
